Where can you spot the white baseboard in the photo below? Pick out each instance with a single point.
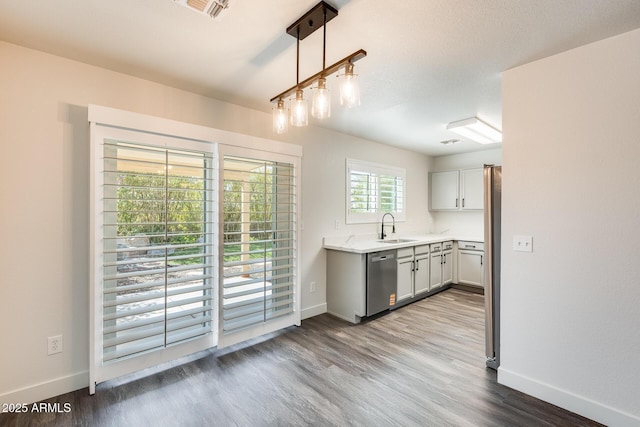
(47, 389)
(313, 311)
(572, 402)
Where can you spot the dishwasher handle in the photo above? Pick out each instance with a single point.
(382, 257)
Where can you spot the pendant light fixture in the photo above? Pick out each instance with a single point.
(315, 18)
(299, 110)
(280, 118)
(349, 87)
(321, 105)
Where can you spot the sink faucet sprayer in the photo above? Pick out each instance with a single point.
(393, 230)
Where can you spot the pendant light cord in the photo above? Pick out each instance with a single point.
(324, 38)
(298, 58)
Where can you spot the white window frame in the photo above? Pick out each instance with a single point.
(378, 169)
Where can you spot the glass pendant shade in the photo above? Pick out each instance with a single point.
(321, 104)
(280, 118)
(349, 87)
(299, 110)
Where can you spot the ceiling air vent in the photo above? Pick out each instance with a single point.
(207, 7)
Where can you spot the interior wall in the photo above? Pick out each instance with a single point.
(464, 224)
(571, 180)
(44, 217)
(324, 199)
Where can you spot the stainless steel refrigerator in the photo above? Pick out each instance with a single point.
(492, 219)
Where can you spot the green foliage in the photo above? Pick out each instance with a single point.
(258, 196)
(143, 207)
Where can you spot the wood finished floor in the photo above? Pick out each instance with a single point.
(421, 365)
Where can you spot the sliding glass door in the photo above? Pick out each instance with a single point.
(158, 258)
(258, 291)
(156, 244)
(194, 244)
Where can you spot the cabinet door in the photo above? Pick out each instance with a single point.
(472, 189)
(447, 268)
(445, 190)
(405, 279)
(470, 267)
(421, 275)
(435, 271)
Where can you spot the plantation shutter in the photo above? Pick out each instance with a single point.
(373, 190)
(158, 257)
(258, 290)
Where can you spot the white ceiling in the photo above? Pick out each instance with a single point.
(430, 62)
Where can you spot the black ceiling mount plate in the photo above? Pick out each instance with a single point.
(312, 20)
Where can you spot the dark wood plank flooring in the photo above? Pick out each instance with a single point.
(421, 365)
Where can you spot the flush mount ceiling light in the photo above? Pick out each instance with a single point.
(314, 19)
(476, 130)
(207, 7)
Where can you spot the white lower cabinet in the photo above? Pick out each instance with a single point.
(441, 264)
(421, 272)
(405, 274)
(471, 263)
(413, 271)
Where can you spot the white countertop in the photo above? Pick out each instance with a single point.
(363, 244)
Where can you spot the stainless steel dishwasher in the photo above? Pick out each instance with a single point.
(382, 281)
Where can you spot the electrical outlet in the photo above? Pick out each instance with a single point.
(312, 287)
(54, 345)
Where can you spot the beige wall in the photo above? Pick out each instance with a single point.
(44, 191)
(570, 310)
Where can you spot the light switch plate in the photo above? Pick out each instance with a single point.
(523, 243)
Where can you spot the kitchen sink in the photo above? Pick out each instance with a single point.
(396, 241)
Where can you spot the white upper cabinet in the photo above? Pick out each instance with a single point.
(472, 189)
(457, 190)
(445, 190)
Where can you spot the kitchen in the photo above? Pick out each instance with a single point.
(572, 377)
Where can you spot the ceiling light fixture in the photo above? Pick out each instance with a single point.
(476, 130)
(349, 87)
(315, 18)
(280, 118)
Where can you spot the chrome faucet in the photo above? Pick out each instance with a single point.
(393, 230)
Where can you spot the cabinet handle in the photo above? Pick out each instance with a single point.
(470, 246)
(463, 202)
(480, 259)
(417, 264)
(413, 266)
(456, 203)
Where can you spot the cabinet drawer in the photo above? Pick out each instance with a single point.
(422, 249)
(447, 246)
(471, 246)
(435, 247)
(405, 252)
